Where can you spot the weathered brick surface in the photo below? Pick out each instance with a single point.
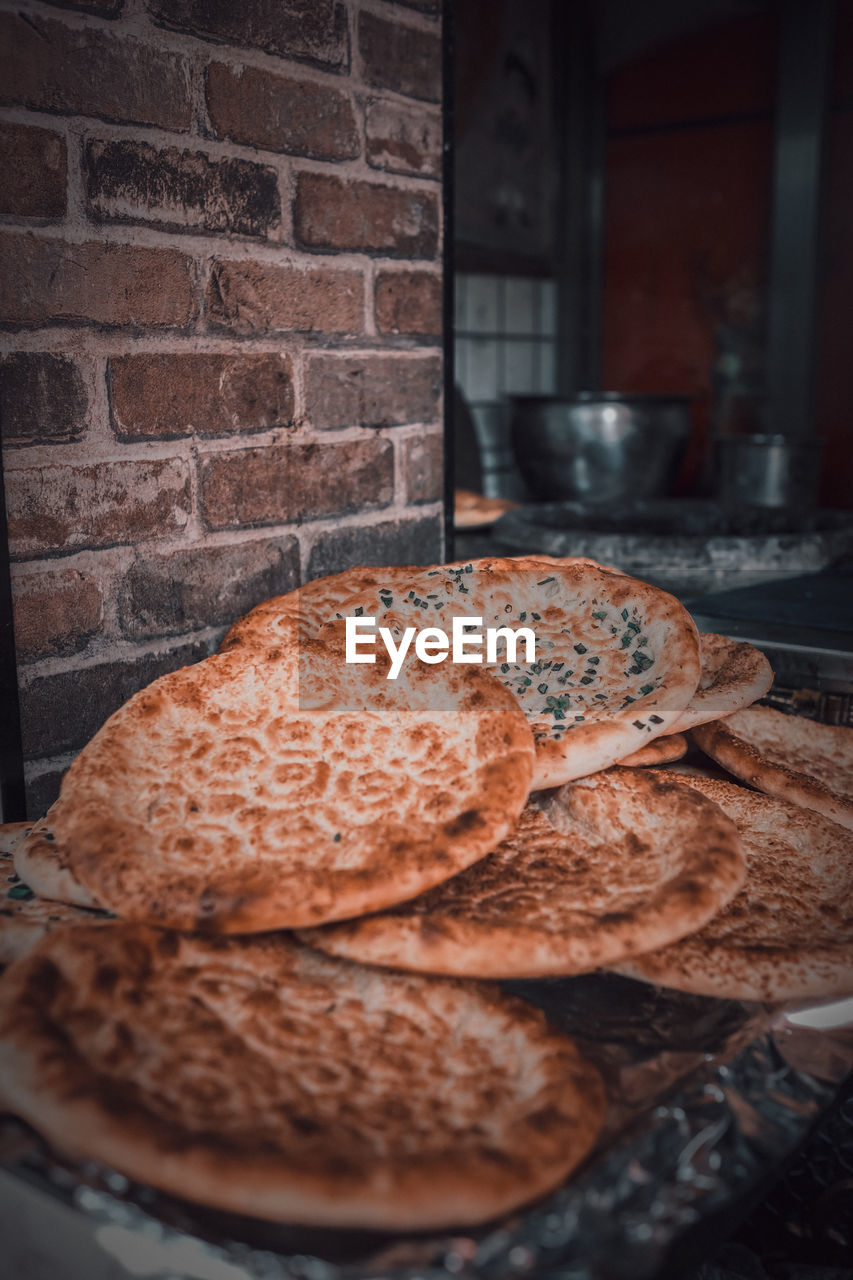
(391, 542)
(55, 613)
(312, 31)
(205, 586)
(278, 113)
(372, 390)
(61, 509)
(62, 712)
(399, 57)
(425, 6)
(281, 485)
(336, 213)
(34, 165)
(42, 398)
(263, 297)
(180, 189)
(408, 302)
(52, 67)
(164, 396)
(402, 139)
(49, 281)
(423, 467)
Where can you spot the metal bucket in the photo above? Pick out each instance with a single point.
(767, 471)
(598, 447)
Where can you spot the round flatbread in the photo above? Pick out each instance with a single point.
(790, 757)
(24, 917)
(42, 863)
(788, 935)
(734, 675)
(475, 511)
(260, 1077)
(615, 864)
(250, 792)
(616, 662)
(672, 746)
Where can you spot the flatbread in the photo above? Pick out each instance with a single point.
(24, 917)
(475, 511)
(253, 792)
(617, 660)
(260, 1077)
(734, 675)
(621, 861)
(788, 935)
(672, 746)
(790, 757)
(42, 863)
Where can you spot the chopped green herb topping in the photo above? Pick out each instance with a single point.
(600, 614)
(22, 892)
(580, 648)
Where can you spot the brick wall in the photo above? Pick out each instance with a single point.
(220, 308)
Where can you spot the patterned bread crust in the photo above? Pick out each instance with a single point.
(622, 862)
(257, 1076)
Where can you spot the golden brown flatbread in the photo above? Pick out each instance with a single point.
(790, 757)
(622, 860)
(253, 792)
(24, 917)
(475, 511)
(672, 746)
(42, 863)
(734, 675)
(788, 935)
(617, 660)
(260, 1077)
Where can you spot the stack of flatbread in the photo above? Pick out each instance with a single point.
(250, 945)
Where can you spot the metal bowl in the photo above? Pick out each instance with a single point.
(598, 447)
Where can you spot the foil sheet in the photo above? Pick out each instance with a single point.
(707, 1100)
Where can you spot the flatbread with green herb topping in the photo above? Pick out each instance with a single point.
(257, 1076)
(617, 660)
(609, 867)
(42, 863)
(25, 917)
(251, 792)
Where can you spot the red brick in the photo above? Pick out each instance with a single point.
(42, 398)
(408, 302)
(276, 113)
(405, 59)
(163, 396)
(34, 165)
(62, 712)
(87, 72)
(423, 467)
(372, 390)
(179, 189)
(290, 483)
(391, 542)
(56, 613)
(403, 139)
(305, 30)
(59, 509)
(44, 281)
(337, 213)
(264, 297)
(205, 586)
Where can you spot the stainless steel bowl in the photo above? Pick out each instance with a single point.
(599, 446)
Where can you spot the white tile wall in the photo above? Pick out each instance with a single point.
(505, 337)
(505, 344)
